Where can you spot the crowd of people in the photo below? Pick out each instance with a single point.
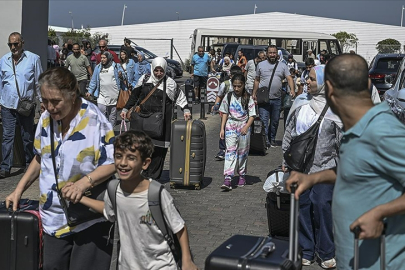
(357, 159)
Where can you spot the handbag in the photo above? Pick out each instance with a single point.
(77, 213)
(25, 104)
(123, 97)
(301, 151)
(263, 93)
(150, 123)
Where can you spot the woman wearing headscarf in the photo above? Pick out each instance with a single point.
(174, 96)
(141, 68)
(105, 85)
(316, 227)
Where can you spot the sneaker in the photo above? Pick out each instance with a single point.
(4, 174)
(227, 185)
(241, 182)
(329, 264)
(306, 262)
(220, 155)
(273, 144)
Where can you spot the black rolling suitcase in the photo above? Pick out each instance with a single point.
(356, 257)
(259, 253)
(278, 211)
(187, 153)
(189, 90)
(258, 138)
(20, 237)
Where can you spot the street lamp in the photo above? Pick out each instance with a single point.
(178, 15)
(402, 14)
(71, 16)
(123, 14)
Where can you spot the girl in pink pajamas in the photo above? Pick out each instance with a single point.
(238, 112)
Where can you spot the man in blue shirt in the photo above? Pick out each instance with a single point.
(25, 78)
(370, 176)
(199, 70)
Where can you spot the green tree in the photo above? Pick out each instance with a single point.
(77, 36)
(52, 35)
(346, 40)
(388, 45)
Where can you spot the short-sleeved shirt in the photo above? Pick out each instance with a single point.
(87, 145)
(250, 74)
(371, 172)
(78, 66)
(224, 88)
(236, 110)
(201, 64)
(142, 243)
(265, 69)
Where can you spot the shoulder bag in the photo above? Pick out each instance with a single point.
(123, 95)
(263, 93)
(150, 123)
(25, 105)
(301, 151)
(77, 213)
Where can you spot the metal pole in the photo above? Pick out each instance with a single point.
(171, 48)
(71, 16)
(123, 14)
(402, 14)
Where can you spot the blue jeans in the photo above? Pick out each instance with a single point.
(316, 225)
(10, 118)
(270, 111)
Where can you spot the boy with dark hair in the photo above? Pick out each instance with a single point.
(142, 244)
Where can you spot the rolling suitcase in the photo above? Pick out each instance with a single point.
(278, 211)
(187, 153)
(257, 253)
(20, 237)
(258, 137)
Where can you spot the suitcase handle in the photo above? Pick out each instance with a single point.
(294, 223)
(356, 260)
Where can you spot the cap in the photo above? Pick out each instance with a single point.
(309, 50)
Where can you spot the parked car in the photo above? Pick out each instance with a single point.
(395, 96)
(174, 68)
(383, 70)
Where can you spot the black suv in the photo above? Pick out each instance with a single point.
(383, 69)
(174, 67)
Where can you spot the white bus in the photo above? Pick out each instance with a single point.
(296, 42)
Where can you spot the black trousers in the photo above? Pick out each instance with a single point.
(85, 250)
(155, 168)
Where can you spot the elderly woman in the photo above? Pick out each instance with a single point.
(141, 68)
(316, 228)
(83, 155)
(105, 85)
(166, 90)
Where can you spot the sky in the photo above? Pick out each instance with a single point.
(109, 12)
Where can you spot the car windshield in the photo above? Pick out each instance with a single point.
(388, 64)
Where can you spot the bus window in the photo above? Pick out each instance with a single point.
(246, 41)
(260, 41)
(334, 47)
(292, 45)
(323, 46)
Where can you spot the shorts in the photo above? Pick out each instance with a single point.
(200, 81)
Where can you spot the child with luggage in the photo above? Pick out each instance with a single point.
(142, 245)
(238, 112)
(224, 88)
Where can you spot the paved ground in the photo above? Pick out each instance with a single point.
(211, 215)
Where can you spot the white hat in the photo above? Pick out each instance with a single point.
(309, 50)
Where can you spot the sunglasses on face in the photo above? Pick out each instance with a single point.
(15, 44)
(102, 46)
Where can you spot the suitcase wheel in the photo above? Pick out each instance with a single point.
(197, 187)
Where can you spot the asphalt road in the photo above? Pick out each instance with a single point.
(211, 215)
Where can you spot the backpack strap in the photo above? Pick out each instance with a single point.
(155, 207)
(112, 195)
